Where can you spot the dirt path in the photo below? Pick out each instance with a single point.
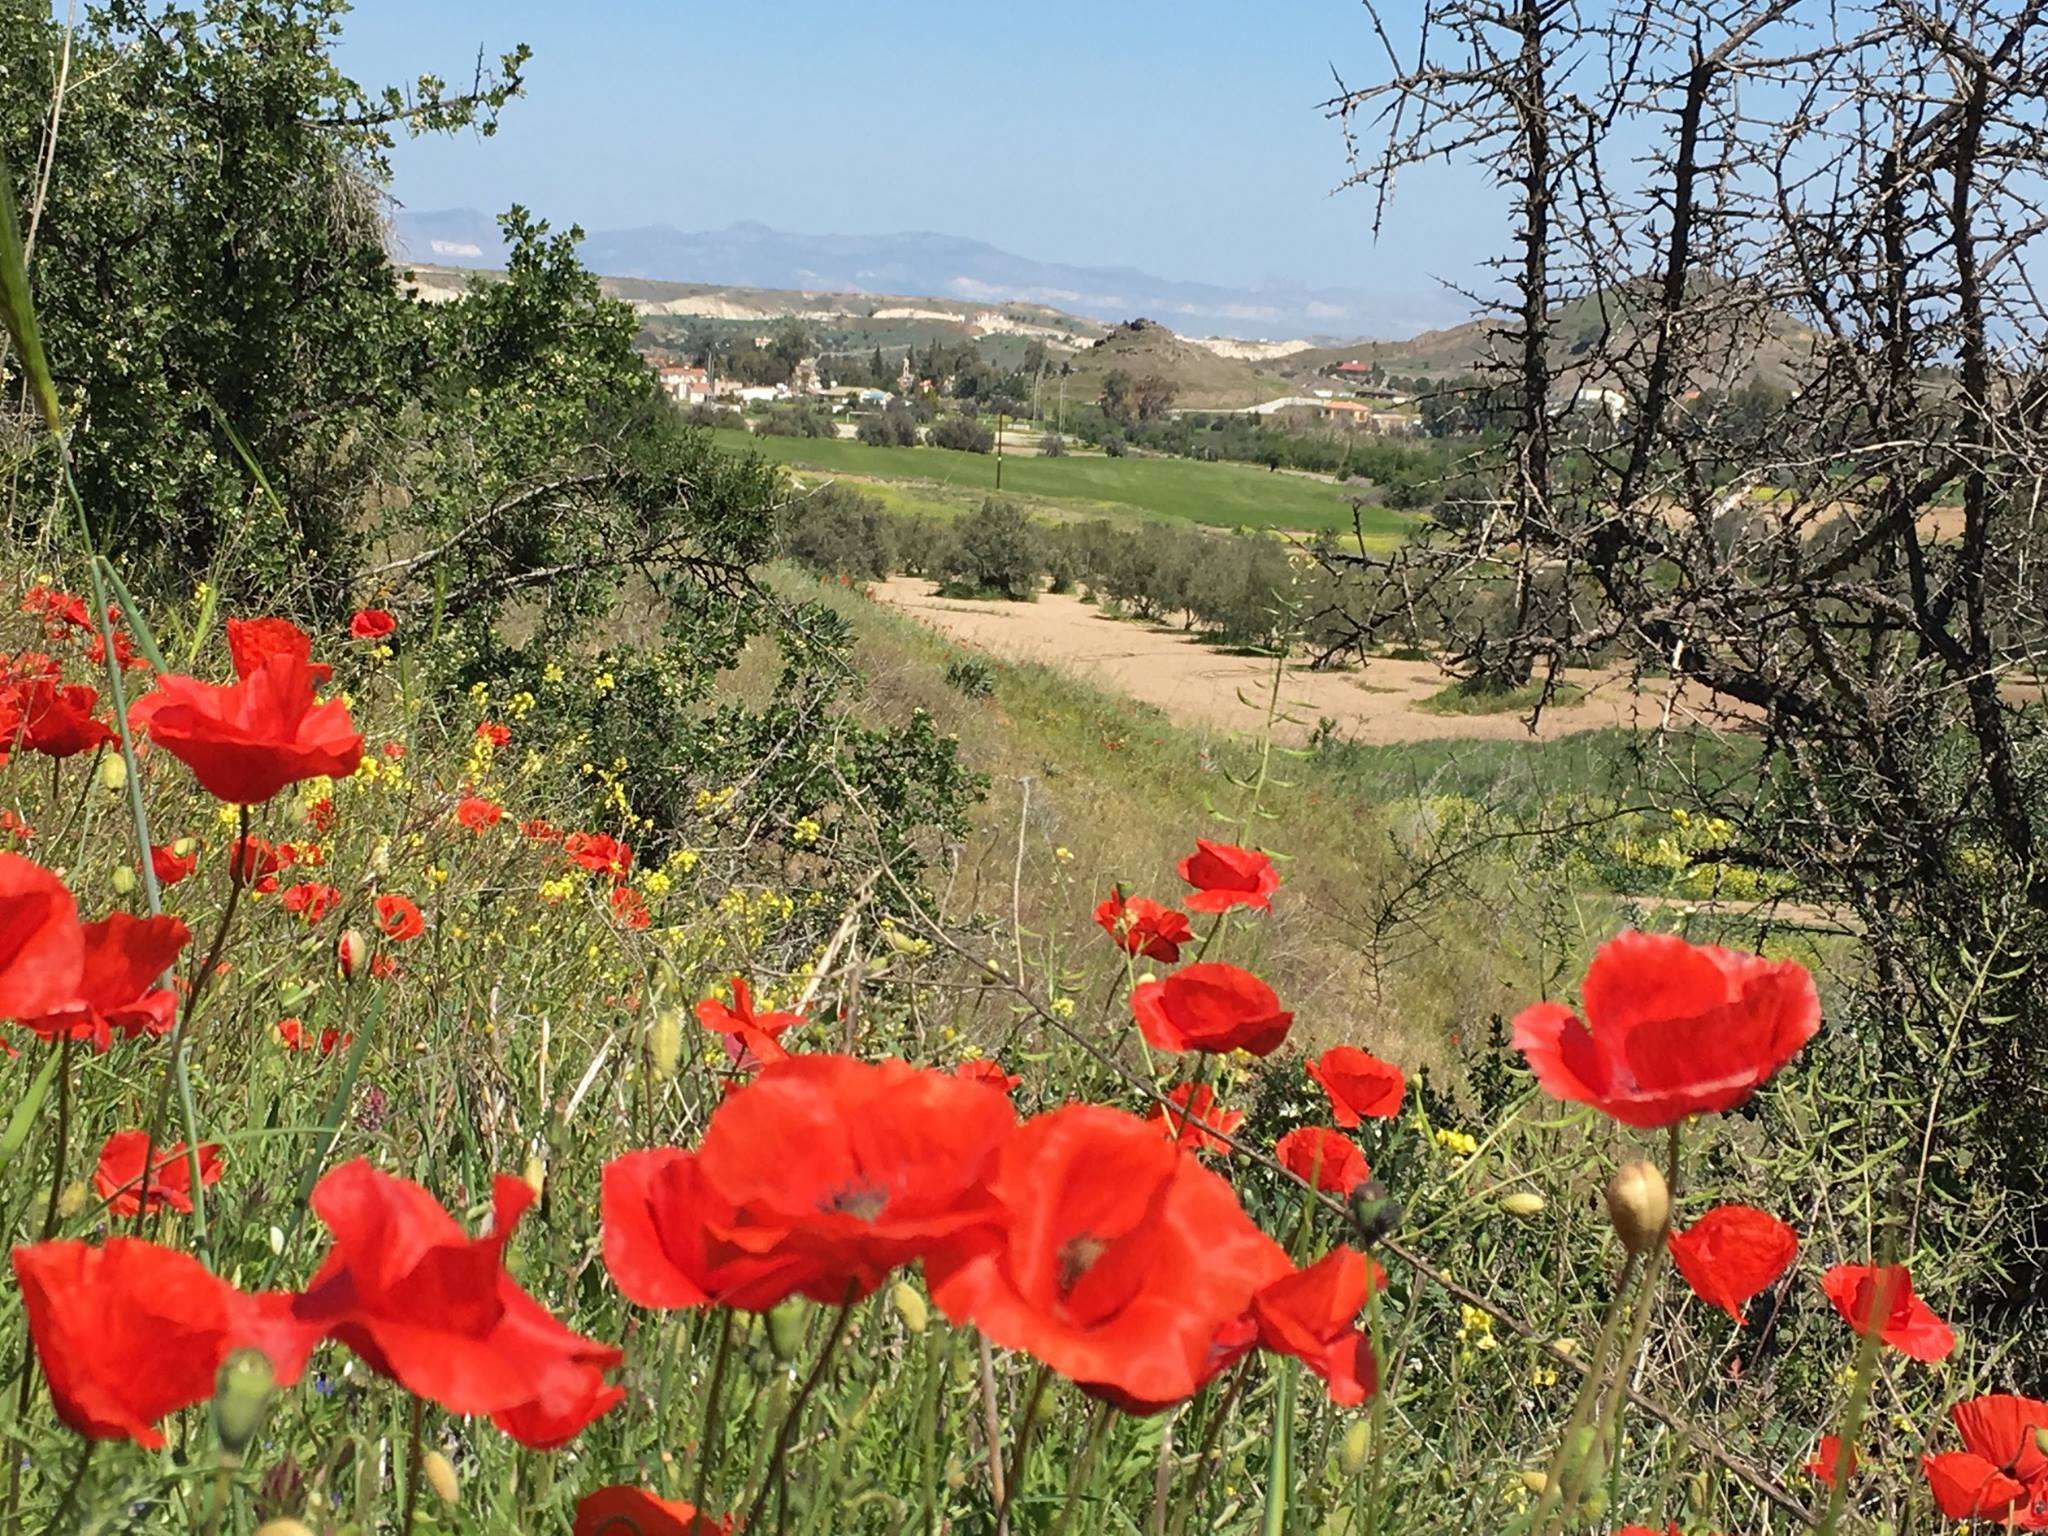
(1200, 686)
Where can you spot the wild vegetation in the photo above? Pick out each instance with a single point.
(528, 1015)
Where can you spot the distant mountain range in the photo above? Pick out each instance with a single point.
(949, 267)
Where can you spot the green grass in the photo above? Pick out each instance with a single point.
(1467, 698)
(1219, 495)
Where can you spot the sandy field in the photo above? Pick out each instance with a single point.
(1200, 686)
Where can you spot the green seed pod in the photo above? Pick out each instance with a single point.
(1639, 1205)
(72, 1199)
(439, 1474)
(114, 774)
(1522, 1203)
(665, 1044)
(1535, 1482)
(241, 1397)
(124, 880)
(909, 1305)
(786, 1329)
(1356, 1448)
(1048, 1402)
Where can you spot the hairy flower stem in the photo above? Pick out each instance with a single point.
(181, 1040)
(1279, 1467)
(938, 1357)
(1582, 1406)
(59, 1156)
(707, 1433)
(1020, 1452)
(413, 1454)
(1205, 1456)
(786, 1431)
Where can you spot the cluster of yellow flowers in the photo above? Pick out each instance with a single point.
(1457, 1143)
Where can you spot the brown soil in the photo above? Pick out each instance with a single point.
(1199, 685)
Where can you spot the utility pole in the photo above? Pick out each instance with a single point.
(999, 448)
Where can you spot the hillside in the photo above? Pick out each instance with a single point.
(1200, 377)
(1775, 357)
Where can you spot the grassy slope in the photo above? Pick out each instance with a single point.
(1222, 495)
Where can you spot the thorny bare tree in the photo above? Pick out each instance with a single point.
(1843, 201)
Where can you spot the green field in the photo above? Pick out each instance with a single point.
(1221, 495)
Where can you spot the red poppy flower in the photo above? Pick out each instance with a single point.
(988, 1072)
(247, 741)
(129, 1333)
(629, 908)
(399, 918)
(59, 721)
(492, 731)
(1903, 1320)
(1194, 1124)
(170, 865)
(477, 813)
(252, 642)
(1827, 1459)
(310, 899)
(1732, 1253)
(540, 830)
(1210, 1007)
(1226, 876)
(1143, 927)
(755, 1031)
(119, 1179)
(117, 990)
(599, 853)
(437, 1312)
(2001, 1474)
(1359, 1084)
(293, 1035)
(1311, 1314)
(256, 863)
(1325, 1158)
(42, 946)
(1123, 1263)
(370, 624)
(624, 1511)
(1673, 1029)
(320, 814)
(58, 609)
(816, 1178)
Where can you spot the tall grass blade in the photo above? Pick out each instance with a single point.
(25, 1109)
(17, 310)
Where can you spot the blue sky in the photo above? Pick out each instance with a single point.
(1183, 138)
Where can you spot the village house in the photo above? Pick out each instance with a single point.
(686, 386)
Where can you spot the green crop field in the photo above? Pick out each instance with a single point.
(1221, 495)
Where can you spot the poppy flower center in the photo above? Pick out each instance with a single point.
(863, 1202)
(1077, 1256)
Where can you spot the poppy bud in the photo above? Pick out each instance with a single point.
(113, 774)
(2041, 1439)
(1374, 1212)
(352, 954)
(380, 857)
(1593, 1506)
(535, 1173)
(1522, 1203)
(786, 1329)
(1639, 1205)
(665, 1044)
(71, 1200)
(124, 880)
(241, 1398)
(1535, 1482)
(909, 1305)
(1357, 1446)
(1048, 1401)
(439, 1474)
(184, 847)
(286, 1527)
